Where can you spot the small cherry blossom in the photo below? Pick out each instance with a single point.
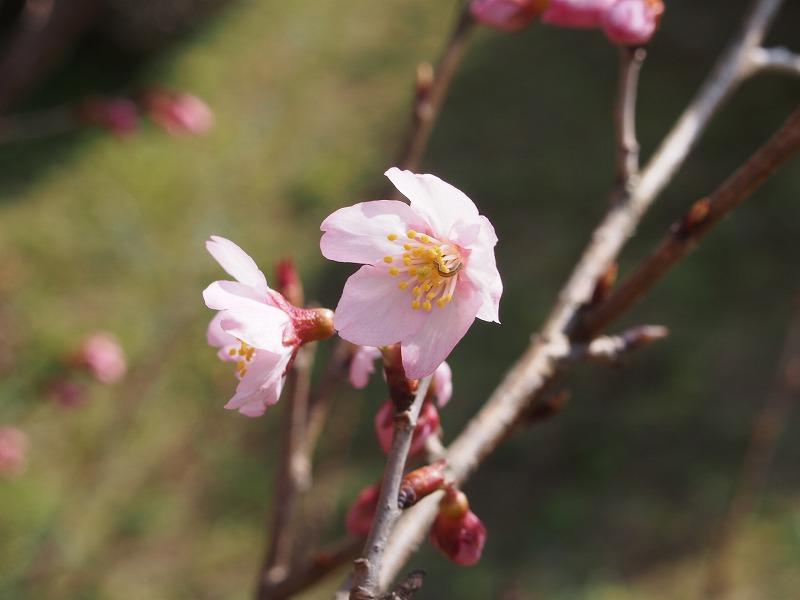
(256, 328)
(429, 270)
(632, 22)
(102, 355)
(506, 15)
(576, 13)
(13, 451)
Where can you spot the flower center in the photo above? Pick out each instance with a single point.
(427, 267)
(244, 355)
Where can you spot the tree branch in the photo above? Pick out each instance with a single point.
(367, 569)
(630, 64)
(776, 60)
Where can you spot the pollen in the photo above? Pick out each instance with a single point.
(391, 237)
(402, 285)
(415, 305)
(394, 271)
(387, 259)
(427, 306)
(411, 234)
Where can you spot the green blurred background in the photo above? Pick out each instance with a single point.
(152, 490)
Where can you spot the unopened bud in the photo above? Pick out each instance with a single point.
(312, 324)
(421, 482)
(289, 284)
(605, 283)
(427, 424)
(582, 14)
(67, 393)
(457, 532)
(118, 115)
(13, 451)
(695, 217)
(179, 113)
(632, 22)
(549, 407)
(643, 335)
(425, 77)
(401, 389)
(102, 356)
(506, 15)
(362, 512)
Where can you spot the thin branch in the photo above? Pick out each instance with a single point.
(630, 64)
(768, 426)
(540, 363)
(776, 60)
(613, 349)
(292, 476)
(701, 218)
(368, 568)
(36, 125)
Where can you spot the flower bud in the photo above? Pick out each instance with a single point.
(118, 115)
(401, 389)
(289, 284)
(457, 532)
(421, 482)
(362, 512)
(584, 14)
(66, 393)
(13, 451)
(179, 113)
(632, 22)
(427, 424)
(506, 15)
(102, 355)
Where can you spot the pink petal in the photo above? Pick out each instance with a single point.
(216, 336)
(441, 204)
(236, 262)
(358, 233)
(427, 347)
(261, 326)
(262, 384)
(482, 272)
(373, 311)
(362, 366)
(442, 384)
(224, 295)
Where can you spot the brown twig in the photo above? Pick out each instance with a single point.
(368, 567)
(767, 428)
(540, 363)
(292, 476)
(696, 223)
(630, 64)
(776, 60)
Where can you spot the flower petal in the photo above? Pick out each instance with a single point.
(262, 384)
(426, 348)
(216, 336)
(442, 384)
(259, 325)
(373, 312)
(224, 295)
(362, 365)
(482, 272)
(441, 204)
(358, 233)
(236, 262)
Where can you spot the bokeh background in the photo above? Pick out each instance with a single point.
(152, 490)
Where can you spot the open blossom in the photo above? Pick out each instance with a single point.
(576, 13)
(427, 424)
(457, 531)
(13, 450)
(256, 328)
(632, 22)
(179, 113)
(429, 270)
(102, 355)
(506, 15)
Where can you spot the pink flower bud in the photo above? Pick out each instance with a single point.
(457, 532)
(442, 384)
(362, 512)
(576, 13)
(427, 423)
(118, 115)
(506, 15)
(362, 365)
(66, 393)
(289, 284)
(421, 482)
(632, 22)
(103, 357)
(13, 451)
(179, 113)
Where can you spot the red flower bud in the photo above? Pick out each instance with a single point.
(632, 22)
(362, 512)
(179, 113)
(427, 423)
(506, 15)
(421, 482)
(457, 532)
(289, 283)
(118, 115)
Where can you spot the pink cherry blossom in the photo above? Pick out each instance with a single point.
(252, 329)
(427, 424)
(506, 15)
(13, 451)
(179, 113)
(102, 355)
(576, 13)
(362, 512)
(457, 531)
(632, 22)
(429, 270)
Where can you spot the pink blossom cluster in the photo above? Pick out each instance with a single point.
(624, 22)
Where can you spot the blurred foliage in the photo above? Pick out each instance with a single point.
(153, 491)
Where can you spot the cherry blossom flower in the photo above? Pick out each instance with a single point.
(429, 270)
(101, 354)
(256, 328)
(13, 451)
(362, 511)
(506, 15)
(457, 531)
(632, 22)
(427, 424)
(576, 13)
(179, 113)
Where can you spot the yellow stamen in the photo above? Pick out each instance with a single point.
(387, 259)
(391, 237)
(402, 285)
(394, 271)
(427, 306)
(411, 234)
(415, 305)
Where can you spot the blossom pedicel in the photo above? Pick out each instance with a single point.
(429, 270)
(506, 15)
(257, 328)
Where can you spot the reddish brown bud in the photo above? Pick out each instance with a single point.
(401, 389)
(605, 283)
(694, 218)
(419, 483)
(548, 408)
(457, 532)
(289, 284)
